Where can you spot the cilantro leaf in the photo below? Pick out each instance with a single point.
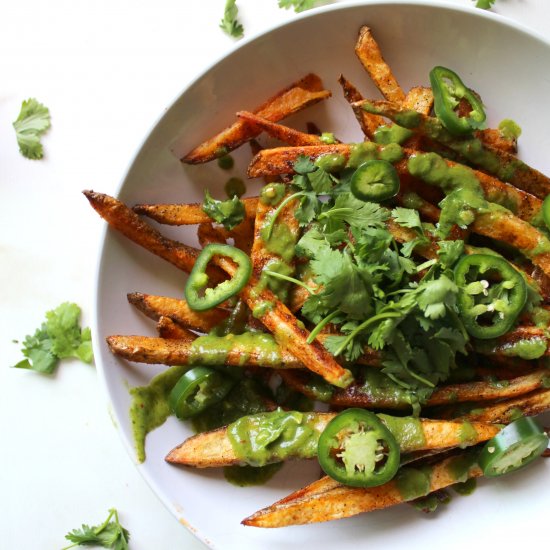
(407, 217)
(303, 165)
(436, 295)
(229, 213)
(229, 24)
(484, 4)
(58, 338)
(32, 122)
(356, 213)
(110, 534)
(298, 5)
(408, 248)
(449, 252)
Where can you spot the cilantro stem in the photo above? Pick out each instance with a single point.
(332, 211)
(269, 226)
(287, 278)
(321, 325)
(363, 326)
(425, 265)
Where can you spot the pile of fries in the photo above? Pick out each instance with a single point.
(525, 390)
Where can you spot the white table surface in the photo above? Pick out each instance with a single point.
(107, 69)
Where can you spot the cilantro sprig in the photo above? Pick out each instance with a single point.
(33, 121)
(298, 5)
(58, 338)
(110, 534)
(229, 213)
(230, 24)
(485, 4)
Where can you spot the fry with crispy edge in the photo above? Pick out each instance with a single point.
(326, 499)
(360, 394)
(299, 95)
(503, 165)
(161, 351)
(213, 449)
(178, 311)
(531, 404)
(283, 133)
(171, 331)
(123, 219)
(368, 52)
(186, 214)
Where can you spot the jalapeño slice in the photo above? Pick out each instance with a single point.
(492, 294)
(201, 298)
(375, 180)
(514, 447)
(449, 90)
(357, 449)
(198, 389)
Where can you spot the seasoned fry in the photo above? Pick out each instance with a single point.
(152, 350)
(532, 404)
(278, 131)
(299, 95)
(366, 394)
(528, 335)
(369, 123)
(123, 219)
(501, 164)
(326, 500)
(169, 330)
(178, 311)
(213, 449)
(186, 214)
(368, 52)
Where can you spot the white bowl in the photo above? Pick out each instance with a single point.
(502, 61)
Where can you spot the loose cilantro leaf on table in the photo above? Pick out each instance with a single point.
(298, 5)
(484, 4)
(110, 534)
(229, 213)
(229, 24)
(32, 122)
(58, 338)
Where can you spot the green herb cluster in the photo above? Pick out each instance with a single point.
(110, 534)
(32, 122)
(58, 338)
(370, 286)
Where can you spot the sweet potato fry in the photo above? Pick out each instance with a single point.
(152, 350)
(299, 95)
(364, 394)
(178, 311)
(169, 330)
(123, 219)
(369, 123)
(186, 214)
(214, 449)
(285, 134)
(530, 335)
(324, 500)
(369, 54)
(499, 163)
(531, 404)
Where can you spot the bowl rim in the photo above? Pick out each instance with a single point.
(166, 112)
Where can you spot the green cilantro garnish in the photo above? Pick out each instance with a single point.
(229, 213)
(110, 534)
(229, 24)
(32, 122)
(484, 4)
(58, 338)
(298, 5)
